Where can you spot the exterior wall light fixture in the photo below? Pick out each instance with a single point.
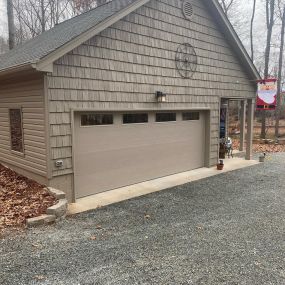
(160, 96)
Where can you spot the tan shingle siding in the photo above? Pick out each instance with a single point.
(123, 67)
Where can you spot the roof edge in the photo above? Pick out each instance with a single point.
(45, 64)
(235, 39)
(17, 68)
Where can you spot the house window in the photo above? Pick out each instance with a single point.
(191, 116)
(16, 129)
(135, 118)
(165, 117)
(96, 119)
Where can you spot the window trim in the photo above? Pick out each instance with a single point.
(97, 113)
(19, 153)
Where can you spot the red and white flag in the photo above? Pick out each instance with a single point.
(266, 94)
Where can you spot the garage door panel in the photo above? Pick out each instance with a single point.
(119, 155)
(131, 137)
(117, 170)
(165, 153)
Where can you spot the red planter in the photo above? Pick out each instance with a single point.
(220, 166)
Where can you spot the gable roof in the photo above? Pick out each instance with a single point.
(40, 52)
(36, 49)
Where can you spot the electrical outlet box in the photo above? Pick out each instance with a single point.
(59, 163)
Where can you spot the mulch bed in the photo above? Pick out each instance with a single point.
(20, 198)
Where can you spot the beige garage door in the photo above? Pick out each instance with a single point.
(118, 149)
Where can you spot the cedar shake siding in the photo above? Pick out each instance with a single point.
(27, 94)
(123, 67)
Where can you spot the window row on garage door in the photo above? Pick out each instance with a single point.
(97, 119)
(119, 149)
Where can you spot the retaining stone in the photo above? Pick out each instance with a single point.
(54, 213)
(50, 219)
(41, 220)
(56, 193)
(59, 209)
(37, 221)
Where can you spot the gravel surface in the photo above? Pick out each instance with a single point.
(227, 229)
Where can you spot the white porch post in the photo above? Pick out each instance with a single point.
(249, 137)
(242, 125)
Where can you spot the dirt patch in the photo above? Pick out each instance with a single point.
(20, 198)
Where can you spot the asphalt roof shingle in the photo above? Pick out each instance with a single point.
(35, 49)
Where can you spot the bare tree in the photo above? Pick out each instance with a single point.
(11, 24)
(43, 15)
(33, 17)
(251, 29)
(226, 5)
(280, 67)
(270, 10)
(234, 12)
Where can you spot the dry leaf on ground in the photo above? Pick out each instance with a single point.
(260, 148)
(21, 198)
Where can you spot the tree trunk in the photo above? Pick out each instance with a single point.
(43, 16)
(270, 8)
(11, 24)
(280, 75)
(251, 29)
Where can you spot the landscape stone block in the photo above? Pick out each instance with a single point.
(56, 193)
(58, 210)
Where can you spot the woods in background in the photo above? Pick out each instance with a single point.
(29, 18)
(263, 36)
(268, 53)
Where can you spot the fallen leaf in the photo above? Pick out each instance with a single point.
(262, 147)
(93, 238)
(21, 198)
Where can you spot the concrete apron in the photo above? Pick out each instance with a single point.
(151, 186)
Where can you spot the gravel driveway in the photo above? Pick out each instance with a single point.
(227, 229)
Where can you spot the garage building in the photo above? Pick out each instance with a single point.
(127, 92)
